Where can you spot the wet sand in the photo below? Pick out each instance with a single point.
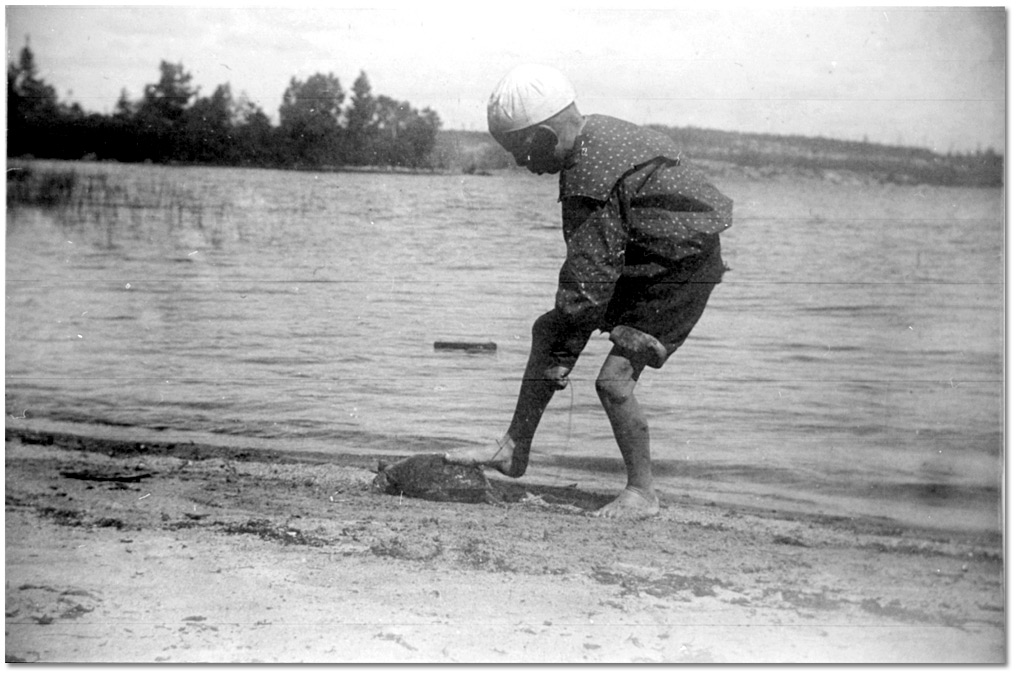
(154, 552)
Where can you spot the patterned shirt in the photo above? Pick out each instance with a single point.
(633, 206)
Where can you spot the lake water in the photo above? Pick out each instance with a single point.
(850, 363)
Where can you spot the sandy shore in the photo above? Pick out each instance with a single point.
(131, 553)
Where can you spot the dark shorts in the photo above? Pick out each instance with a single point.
(666, 306)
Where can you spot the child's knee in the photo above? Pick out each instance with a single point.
(617, 379)
(553, 334)
(553, 351)
(613, 390)
(544, 329)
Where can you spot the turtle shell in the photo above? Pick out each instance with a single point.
(428, 476)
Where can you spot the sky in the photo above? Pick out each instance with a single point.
(929, 76)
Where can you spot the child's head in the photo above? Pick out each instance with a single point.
(532, 114)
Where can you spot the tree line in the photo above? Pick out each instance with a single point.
(321, 125)
(892, 164)
(172, 123)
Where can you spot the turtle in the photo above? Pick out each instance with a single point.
(429, 476)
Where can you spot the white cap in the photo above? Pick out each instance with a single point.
(527, 95)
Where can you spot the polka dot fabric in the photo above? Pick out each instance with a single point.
(634, 208)
(608, 148)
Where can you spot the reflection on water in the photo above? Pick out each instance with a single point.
(852, 358)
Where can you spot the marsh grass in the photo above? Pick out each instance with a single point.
(27, 186)
(110, 206)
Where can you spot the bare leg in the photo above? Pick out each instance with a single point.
(615, 386)
(542, 378)
(510, 454)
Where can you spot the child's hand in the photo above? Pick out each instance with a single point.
(558, 377)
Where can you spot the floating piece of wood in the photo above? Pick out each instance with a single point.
(105, 477)
(468, 346)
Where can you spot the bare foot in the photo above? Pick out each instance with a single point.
(499, 456)
(632, 503)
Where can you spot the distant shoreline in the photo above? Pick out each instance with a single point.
(717, 169)
(761, 156)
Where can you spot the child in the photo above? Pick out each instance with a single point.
(643, 254)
